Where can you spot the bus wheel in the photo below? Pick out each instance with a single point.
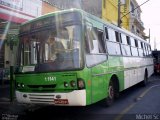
(145, 81)
(111, 94)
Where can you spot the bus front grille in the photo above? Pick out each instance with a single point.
(39, 98)
(42, 86)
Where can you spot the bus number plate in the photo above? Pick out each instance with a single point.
(61, 101)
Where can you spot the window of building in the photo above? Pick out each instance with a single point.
(133, 29)
(132, 7)
(138, 31)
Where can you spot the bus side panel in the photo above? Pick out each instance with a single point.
(115, 66)
(151, 67)
(135, 70)
(85, 74)
(99, 88)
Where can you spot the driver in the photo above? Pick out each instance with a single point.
(54, 46)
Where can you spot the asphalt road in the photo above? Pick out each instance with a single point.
(135, 103)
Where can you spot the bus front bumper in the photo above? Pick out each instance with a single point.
(74, 98)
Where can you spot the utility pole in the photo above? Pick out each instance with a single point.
(119, 13)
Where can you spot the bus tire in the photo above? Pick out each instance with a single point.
(111, 94)
(145, 81)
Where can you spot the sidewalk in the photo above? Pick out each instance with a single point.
(4, 98)
(8, 110)
(4, 92)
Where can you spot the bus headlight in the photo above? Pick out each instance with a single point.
(18, 85)
(66, 84)
(22, 85)
(81, 84)
(73, 83)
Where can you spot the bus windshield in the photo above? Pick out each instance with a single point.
(53, 48)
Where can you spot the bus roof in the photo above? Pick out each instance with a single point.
(52, 14)
(122, 30)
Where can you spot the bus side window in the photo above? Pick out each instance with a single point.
(112, 36)
(101, 42)
(133, 47)
(117, 36)
(95, 41)
(142, 46)
(126, 51)
(128, 40)
(123, 39)
(88, 40)
(106, 33)
(112, 45)
(145, 49)
(94, 46)
(136, 45)
(150, 52)
(140, 50)
(132, 42)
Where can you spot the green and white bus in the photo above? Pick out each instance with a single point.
(72, 58)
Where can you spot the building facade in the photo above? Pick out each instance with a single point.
(12, 14)
(91, 6)
(110, 12)
(47, 7)
(105, 9)
(130, 13)
(136, 25)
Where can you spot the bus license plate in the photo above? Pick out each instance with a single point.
(61, 101)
